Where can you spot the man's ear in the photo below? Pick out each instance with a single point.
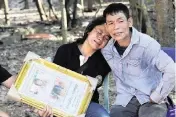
(130, 21)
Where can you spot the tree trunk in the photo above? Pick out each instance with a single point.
(165, 21)
(6, 11)
(67, 6)
(149, 29)
(135, 6)
(26, 4)
(90, 5)
(141, 19)
(64, 22)
(1, 4)
(40, 10)
(82, 4)
(74, 19)
(51, 9)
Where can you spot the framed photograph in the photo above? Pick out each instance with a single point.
(41, 83)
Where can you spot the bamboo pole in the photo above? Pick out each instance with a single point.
(6, 11)
(40, 10)
(64, 22)
(82, 4)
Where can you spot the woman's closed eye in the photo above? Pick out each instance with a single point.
(106, 37)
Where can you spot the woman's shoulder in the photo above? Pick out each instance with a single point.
(98, 54)
(67, 48)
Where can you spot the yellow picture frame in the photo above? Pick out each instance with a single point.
(36, 70)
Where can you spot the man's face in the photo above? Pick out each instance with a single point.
(118, 26)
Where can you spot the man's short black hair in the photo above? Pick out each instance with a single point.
(116, 8)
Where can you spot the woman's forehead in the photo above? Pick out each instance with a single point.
(101, 27)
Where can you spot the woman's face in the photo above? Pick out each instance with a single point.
(98, 37)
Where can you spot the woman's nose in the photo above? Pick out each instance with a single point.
(100, 37)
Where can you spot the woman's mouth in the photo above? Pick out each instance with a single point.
(98, 43)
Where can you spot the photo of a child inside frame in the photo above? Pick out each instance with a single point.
(37, 85)
(58, 89)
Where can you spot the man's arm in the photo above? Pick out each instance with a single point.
(159, 59)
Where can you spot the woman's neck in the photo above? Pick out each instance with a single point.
(86, 50)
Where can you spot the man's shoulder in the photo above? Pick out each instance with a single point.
(109, 45)
(146, 40)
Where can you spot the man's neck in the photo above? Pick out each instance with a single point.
(125, 42)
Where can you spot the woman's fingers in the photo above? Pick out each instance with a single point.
(45, 112)
(49, 112)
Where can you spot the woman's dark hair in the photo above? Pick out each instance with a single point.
(95, 22)
(116, 8)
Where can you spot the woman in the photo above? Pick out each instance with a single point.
(7, 80)
(84, 56)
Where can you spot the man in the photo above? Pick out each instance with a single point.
(7, 80)
(144, 74)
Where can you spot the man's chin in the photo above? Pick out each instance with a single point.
(118, 39)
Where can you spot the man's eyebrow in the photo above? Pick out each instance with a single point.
(120, 18)
(109, 21)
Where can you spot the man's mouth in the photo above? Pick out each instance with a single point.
(117, 34)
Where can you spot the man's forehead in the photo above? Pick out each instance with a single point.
(115, 16)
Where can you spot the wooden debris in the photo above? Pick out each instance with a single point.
(44, 36)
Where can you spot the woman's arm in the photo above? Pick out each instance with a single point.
(61, 56)
(3, 114)
(6, 78)
(8, 83)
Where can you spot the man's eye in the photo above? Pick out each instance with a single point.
(110, 23)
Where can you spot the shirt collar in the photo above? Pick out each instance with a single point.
(134, 36)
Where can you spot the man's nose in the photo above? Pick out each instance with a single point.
(116, 25)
